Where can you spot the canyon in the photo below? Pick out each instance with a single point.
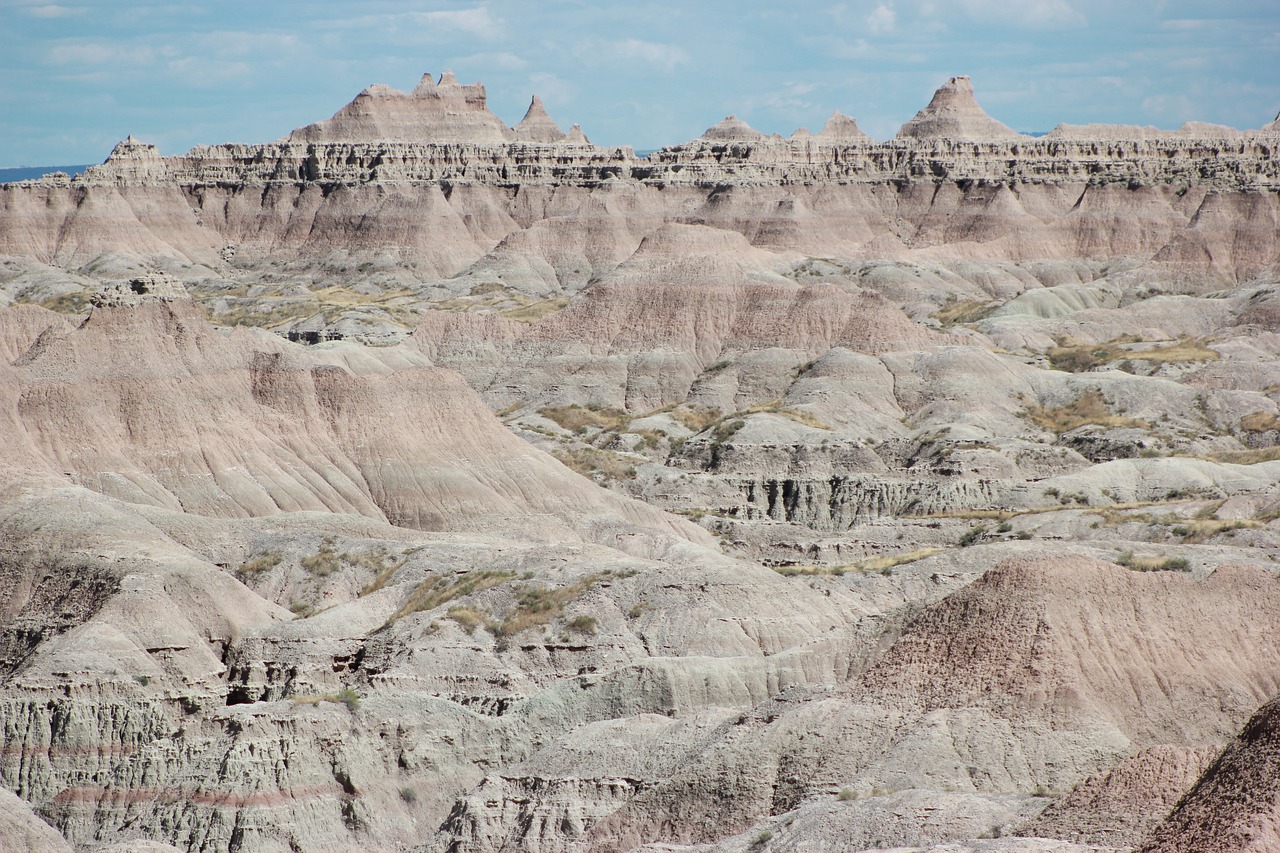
(419, 482)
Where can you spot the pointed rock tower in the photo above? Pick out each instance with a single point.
(843, 128)
(954, 114)
(537, 126)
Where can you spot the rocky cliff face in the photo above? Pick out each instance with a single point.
(416, 482)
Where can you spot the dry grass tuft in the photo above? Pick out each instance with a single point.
(1081, 358)
(955, 311)
(889, 561)
(262, 563)
(696, 418)
(1089, 408)
(579, 419)
(1153, 564)
(590, 462)
(1246, 457)
(1260, 422)
(537, 310)
(441, 589)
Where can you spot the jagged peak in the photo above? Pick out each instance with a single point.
(444, 111)
(1272, 126)
(131, 148)
(577, 136)
(537, 126)
(954, 113)
(536, 108)
(731, 128)
(426, 86)
(842, 127)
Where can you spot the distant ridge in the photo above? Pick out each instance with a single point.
(30, 173)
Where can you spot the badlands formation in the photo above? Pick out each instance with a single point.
(415, 482)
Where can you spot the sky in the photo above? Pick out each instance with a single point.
(79, 75)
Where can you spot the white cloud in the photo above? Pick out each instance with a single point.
(52, 11)
(667, 57)
(500, 60)
(442, 26)
(477, 21)
(99, 54)
(552, 89)
(881, 20)
(202, 73)
(1031, 14)
(789, 101)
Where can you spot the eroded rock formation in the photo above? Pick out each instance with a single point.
(420, 482)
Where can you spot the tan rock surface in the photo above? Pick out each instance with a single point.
(1234, 805)
(1121, 806)
(911, 397)
(953, 113)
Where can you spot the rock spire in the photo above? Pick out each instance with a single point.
(954, 113)
(537, 126)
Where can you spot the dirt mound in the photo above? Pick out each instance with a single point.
(1121, 806)
(1077, 641)
(1235, 806)
(278, 428)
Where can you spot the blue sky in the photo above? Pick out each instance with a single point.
(79, 75)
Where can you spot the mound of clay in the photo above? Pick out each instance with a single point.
(731, 129)
(1082, 642)
(278, 429)
(843, 128)
(1235, 806)
(1121, 806)
(954, 114)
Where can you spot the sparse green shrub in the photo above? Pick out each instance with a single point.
(541, 605)
(408, 795)
(349, 698)
(263, 562)
(582, 625)
(1004, 527)
(726, 430)
(847, 794)
(972, 536)
(324, 562)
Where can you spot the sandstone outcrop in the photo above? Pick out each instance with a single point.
(419, 482)
(954, 114)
